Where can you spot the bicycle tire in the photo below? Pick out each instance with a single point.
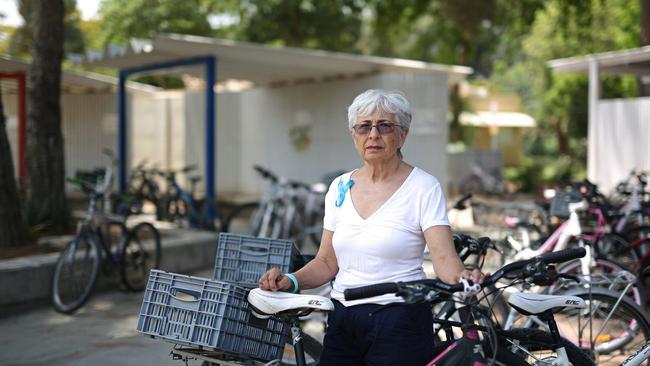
(535, 340)
(312, 348)
(140, 252)
(608, 266)
(239, 220)
(76, 274)
(627, 324)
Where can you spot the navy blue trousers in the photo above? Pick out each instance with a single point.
(371, 334)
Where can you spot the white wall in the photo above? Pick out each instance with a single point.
(618, 142)
(227, 141)
(167, 129)
(269, 113)
(88, 126)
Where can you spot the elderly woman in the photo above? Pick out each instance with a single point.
(378, 219)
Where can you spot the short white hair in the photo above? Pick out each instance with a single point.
(366, 103)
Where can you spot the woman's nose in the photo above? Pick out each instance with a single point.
(374, 131)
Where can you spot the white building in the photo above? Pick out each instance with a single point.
(619, 129)
(295, 92)
(88, 113)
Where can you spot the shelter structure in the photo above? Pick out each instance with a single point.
(88, 114)
(292, 119)
(619, 129)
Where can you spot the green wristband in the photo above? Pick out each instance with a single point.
(294, 280)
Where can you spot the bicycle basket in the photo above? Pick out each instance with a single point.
(560, 203)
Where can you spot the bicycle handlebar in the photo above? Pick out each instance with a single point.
(394, 287)
(267, 174)
(460, 204)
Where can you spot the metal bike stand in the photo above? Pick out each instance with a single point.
(220, 358)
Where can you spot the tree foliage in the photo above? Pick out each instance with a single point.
(559, 101)
(507, 41)
(124, 19)
(20, 43)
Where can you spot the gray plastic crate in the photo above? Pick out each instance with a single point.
(243, 259)
(208, 314)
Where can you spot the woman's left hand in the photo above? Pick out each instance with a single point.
(476, 275)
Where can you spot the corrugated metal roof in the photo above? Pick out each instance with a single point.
(261, 64)
(635, 61)
(72, 82)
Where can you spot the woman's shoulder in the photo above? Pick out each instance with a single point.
(424, 179)
(343, 176)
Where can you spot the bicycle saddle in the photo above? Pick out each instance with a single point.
(267, 303)
(531, 304)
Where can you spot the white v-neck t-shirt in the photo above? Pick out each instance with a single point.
(387, 246)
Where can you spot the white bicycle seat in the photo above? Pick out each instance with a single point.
(266, 303)
(531, 304)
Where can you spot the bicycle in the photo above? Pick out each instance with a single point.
(182, 206)
(572, 229)
(513, 347)
(133, 253)
(642, 354)
(288, 210)
(144, 187)
(612, 324)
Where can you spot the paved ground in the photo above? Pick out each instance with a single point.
(101, 333)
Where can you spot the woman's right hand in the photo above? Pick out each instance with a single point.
(275, 280)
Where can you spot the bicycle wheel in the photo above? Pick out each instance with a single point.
(610, 328)
(536, 347)
(312, 348)
(239, 220)
(140, 253)
(75, 274)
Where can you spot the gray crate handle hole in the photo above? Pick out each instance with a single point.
(251, 250)
(183, 294)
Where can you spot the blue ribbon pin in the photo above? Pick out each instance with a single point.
(342, 190)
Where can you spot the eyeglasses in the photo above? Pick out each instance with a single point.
(382, 127)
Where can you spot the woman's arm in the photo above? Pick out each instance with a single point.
(317, 272)
(446, 263)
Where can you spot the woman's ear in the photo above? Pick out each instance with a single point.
(403, 133)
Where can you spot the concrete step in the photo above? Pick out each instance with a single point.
(27, 280)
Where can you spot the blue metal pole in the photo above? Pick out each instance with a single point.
(210, 78)
(121, 129)
(210, 109)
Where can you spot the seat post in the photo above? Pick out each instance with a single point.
(296, 340)
(548, 317)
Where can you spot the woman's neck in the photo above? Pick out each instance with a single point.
(380, 171)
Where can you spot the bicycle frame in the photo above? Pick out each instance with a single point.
(467, 348)
(637, 358)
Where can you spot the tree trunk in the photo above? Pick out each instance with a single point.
(45, 156)
(644, 89)
(562, 136)
(12, 231)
